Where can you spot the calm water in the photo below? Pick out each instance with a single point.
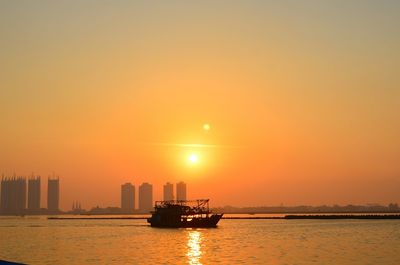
(36, 240)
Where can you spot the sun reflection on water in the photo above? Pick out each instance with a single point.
(193, 247)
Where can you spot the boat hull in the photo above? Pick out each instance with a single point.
(197, 222)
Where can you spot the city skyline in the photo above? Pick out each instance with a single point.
(28, 195)
(31, 185)
(26, 198)
(19, 196)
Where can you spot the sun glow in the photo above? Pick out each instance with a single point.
(193, 158)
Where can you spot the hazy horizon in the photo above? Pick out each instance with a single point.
(251, 103)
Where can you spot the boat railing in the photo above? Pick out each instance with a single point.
(188, 207)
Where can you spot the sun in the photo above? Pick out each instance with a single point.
(193, 158)
(206, 127)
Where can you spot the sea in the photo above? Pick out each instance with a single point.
(38, 240)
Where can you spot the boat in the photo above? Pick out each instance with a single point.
(183, 213)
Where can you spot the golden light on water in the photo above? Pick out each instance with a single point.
(193, 247)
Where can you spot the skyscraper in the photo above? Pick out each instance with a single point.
(13, 195)
(168, 191)
(145, 197)
(127, 197)
(181, 191)
(53, 194)
(34, 194)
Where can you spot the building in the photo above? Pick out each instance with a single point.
(181, 191)
(77, 208)
(34, 194)
(13, 195)
(127, 198)
(168, 192)
(53, 194)
(145, 197)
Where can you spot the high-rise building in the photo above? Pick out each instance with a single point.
(127, 197)
(181, 191)
(13, 195)
(34, 194)
(168, 191)
(145, 197)
(53, 194)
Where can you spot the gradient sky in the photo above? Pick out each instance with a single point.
(302, 98)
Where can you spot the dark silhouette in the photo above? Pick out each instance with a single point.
(181, 191)
(370, 208)
(13, 195)
(168, 191)
(34, 194)
(14, 199)
(345, 216)
(53, 195)
(127, 198)
(145, 198)
(183, 214)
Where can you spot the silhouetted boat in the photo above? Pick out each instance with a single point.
(194, 213)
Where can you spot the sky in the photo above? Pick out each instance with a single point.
(302, 99)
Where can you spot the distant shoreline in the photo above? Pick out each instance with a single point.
(345, 216)
(283, 213)
(286, 217)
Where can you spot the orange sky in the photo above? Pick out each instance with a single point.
(302, 99)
